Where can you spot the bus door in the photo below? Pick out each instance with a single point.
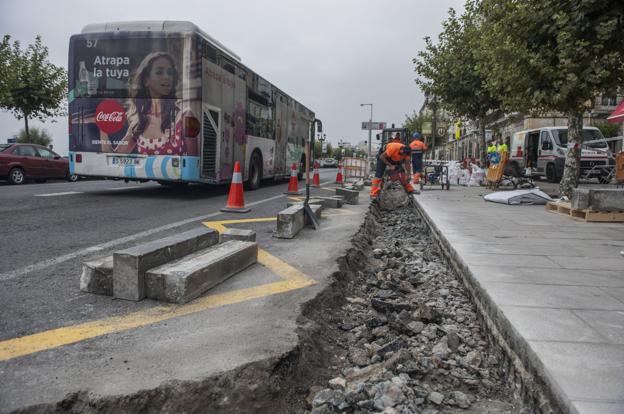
(227, 105)
(211, 131)
(281, 134)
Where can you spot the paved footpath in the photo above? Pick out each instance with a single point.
(554, 287)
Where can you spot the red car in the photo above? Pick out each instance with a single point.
(19, 162)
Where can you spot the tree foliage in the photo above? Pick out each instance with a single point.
(30, 86)
(35, 136)
(552, 55)
(415, 122)
(449, 69)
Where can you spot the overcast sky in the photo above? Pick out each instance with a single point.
(331, 55)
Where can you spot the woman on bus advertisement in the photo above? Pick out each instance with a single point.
(154, 120)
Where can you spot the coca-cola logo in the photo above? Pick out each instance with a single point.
(109, 116)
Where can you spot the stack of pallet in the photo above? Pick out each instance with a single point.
(601, 205)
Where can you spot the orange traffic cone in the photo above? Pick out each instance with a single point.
(293, 184)
(316, 180)
(236, 201)
(339, 179)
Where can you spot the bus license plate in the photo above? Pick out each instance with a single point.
(123, 161)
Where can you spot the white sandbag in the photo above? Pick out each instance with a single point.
(533, 196)
(477, 177)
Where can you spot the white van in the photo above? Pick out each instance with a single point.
(543, 151)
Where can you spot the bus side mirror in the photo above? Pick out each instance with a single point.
(378, 137)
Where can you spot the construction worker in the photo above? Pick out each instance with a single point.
(418, 148)
(491, 148)
(395, 158)
(501, 147)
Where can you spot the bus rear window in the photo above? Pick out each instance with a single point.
(121, 67)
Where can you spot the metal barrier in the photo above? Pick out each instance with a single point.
(355, 167)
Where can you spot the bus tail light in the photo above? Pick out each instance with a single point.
(78, 157)
(191, 127)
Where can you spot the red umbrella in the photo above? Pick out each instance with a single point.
(618, 114)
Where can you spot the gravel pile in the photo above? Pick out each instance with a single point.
(410, 340)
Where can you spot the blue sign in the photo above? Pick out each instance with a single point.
(11, 140)
(494, 158)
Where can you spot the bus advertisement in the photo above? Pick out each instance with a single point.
(164, 101)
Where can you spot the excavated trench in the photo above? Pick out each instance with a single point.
(394, 332)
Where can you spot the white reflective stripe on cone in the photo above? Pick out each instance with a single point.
(293, 173)
(237, 178)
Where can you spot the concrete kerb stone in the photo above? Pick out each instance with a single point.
(238, 234)
(130, 265)
(350, 196)
(97, 276)
(290, 222)
(188, 278)
(524, 365)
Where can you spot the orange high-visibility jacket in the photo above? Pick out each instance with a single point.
(418, 147)
(393, 152)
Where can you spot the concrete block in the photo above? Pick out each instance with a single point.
(606, 199)
(191, 276)
(238, 234)
(97, 276)
(331, 202)
(580, 198)
(130, 265)
(311, 201)
(317, 210)
(289, 222)
(350, 196)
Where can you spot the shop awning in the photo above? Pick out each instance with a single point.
(618, 114)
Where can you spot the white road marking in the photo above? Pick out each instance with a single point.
(123, 188)
(58, 194)
(51, 262)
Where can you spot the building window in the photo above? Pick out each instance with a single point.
(608, 100)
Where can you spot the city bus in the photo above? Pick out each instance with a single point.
(165, 101)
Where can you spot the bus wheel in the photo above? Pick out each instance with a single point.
(550, 173)
(255, 172)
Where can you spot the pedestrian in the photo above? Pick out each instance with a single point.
(395, 158)
(418, 148)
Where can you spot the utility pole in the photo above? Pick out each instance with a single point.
(434, 124)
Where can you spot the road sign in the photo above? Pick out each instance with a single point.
(11, 140)
(324, 149)
(373, 125)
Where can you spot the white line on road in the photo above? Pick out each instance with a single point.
(58, 194)
(123, 188)
(51, 262)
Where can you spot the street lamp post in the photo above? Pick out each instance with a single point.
(370, 131)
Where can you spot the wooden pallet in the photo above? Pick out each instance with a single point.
(586, 215)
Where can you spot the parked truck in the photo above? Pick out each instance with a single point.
(543, 150)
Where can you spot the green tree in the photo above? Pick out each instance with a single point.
(330, 150)
(609, 130)
(553, 55)
(448, 70)
(30, 86)
(415, 122)
(318, 149)
(35, 136)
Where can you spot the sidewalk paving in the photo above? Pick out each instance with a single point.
(554, 286)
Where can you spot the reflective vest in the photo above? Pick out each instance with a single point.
(502, 148)
(491, 149)
(393, 153)
(418, 147)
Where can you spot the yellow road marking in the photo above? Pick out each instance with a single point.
(292, 279)
(220, 224)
